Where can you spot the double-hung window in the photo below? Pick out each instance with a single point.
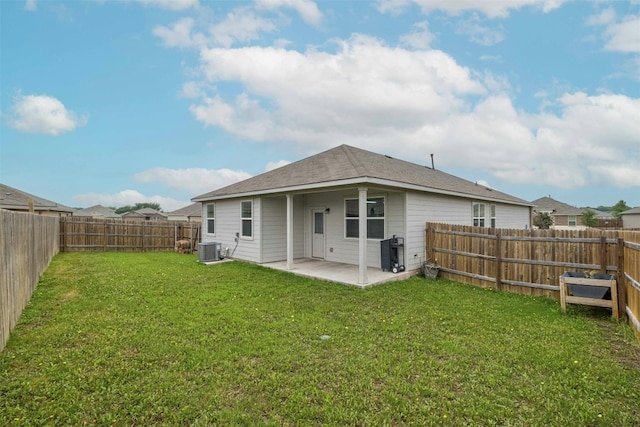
(572, 221)
(246, 217)
(375, 218)
(211, 218)
(478, 214)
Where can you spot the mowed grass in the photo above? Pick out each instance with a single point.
(159, 339)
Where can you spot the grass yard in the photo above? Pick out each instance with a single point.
(159, 339)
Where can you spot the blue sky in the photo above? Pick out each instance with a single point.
(118, 102)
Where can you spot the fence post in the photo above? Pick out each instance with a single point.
(621, 280)
(498, 261)
(603, 253)
(428, 254)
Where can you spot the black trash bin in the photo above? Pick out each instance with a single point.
(390, 251)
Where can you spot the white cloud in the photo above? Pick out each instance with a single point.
(605, 17)
(43, 114)
(490, 8)
(179, 34)
(411, 102)
(479, 33)
(420, 37)
(128, 197)
(365, 89)
(171, 4)
(31, 5)
(240, 25)
(624, 36)
(307, 9)
(621, 35)
(195, 180)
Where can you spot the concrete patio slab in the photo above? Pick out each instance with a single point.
(338, 272)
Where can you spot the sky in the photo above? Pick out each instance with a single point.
(116, 102)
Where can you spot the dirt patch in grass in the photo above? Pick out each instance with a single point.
(624, 348)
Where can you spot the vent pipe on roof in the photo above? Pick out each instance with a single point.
(432, 166)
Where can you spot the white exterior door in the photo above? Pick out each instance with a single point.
(317, 242)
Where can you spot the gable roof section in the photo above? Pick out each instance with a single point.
(554, 207)
(194, 209)
(97, 211)
(347, 165)
(633, 211)
(16, 200)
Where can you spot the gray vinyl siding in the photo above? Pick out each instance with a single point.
(423, 207)
(631, 221)
(512, 216)
(340, 249)
(228, 223)
(274, 226)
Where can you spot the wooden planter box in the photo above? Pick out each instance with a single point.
(599, 290)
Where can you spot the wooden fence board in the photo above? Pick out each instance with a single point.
(28, 242)
(90, 234)
(531, 261)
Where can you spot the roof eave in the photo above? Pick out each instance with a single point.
(356, 181)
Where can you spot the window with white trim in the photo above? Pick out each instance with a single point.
(492, 212)
(246, 217)
(211, 218)
(375, 218)
(572, 221)
(478, 214)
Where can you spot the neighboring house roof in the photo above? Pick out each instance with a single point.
(144, 212)
(347, 165)
(150, 211)
(17, 200)
(97, 211)
(600, 214)
(554, 207)
(194, 209)
(634, 211)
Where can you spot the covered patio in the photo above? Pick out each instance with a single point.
(338, 272)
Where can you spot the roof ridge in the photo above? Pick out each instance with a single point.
(354, 159)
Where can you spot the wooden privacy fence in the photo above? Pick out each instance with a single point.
(532, 261)
(78, 234)
(28, 242)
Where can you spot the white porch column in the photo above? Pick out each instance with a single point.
(362, 239)
(289, 231)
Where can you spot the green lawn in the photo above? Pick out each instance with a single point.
(159, 339)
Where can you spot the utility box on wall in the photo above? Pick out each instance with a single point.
(209, 251)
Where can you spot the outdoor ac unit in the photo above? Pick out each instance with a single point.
(209, 251)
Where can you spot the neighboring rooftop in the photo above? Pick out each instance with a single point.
(18, 200)
(348, 165)
(97, 211)
(554, 207)
(194, 209)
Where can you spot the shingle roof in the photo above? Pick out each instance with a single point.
(354, 165)
(14, 199)
(547, 204)
(633, 211)
(97, 211)
(194, 209)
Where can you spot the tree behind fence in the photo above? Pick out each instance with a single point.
(532, 261)
(28, 242)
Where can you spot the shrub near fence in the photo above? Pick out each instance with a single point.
(79, 234)
(28, 242)
(532, 261)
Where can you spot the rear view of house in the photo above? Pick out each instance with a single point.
(339, 204)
